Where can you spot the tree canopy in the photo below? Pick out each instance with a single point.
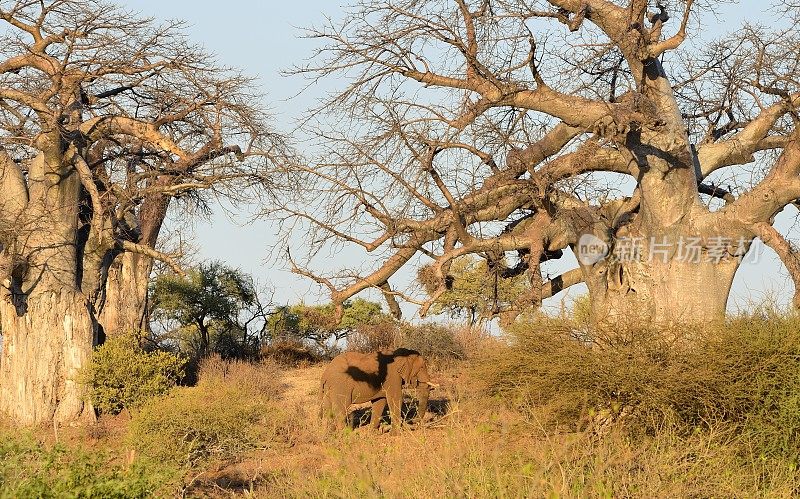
(475, 291)
(320, 323)
(515, 130)
(213, 309)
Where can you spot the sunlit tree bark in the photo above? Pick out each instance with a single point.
(105, 119)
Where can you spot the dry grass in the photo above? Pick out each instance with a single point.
(233, 409)
(489, 460)
(483, 447)
(484, 441)
(255, 378)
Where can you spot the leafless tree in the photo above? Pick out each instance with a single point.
(105, 119)
(489, 127)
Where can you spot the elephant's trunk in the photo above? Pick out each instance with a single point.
(423, 392)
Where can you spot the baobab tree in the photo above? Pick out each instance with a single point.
(105, 119)
(518, 130)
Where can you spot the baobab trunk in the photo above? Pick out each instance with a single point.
(675, 293)
(125, 306)
(93, 149)
(665, 285)
(43, 349)
(47, 320)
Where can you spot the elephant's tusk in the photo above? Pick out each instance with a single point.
(432, 385)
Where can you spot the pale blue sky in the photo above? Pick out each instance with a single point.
(263, 38)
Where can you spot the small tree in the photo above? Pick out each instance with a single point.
(318, 323)
(213, 308)
(474, 289)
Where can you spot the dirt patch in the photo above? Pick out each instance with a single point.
(310, 450)
(301, 387)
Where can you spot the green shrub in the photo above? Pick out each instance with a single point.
(230, 411)
(29, 469)
(744, 374)
(122, 375)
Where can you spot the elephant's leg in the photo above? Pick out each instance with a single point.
(325, 407)
(340, 405)
(377, 412)
(331, 412)
(423, 394)
(395, 400)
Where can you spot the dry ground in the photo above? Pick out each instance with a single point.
(475, 445)
(311, 451)
(301, 387)
(472, 445)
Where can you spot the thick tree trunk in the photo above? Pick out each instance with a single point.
(126, 288)
(662, 290)
(42, 352)
(125, 304)
(47, 321)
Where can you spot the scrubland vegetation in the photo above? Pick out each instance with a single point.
(544, 409)
(466, 142)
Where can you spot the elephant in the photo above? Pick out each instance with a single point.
(377, 377)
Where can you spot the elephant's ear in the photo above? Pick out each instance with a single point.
(417, 365)
(413, 365)
(405, 365)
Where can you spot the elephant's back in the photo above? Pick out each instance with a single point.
(341, 362)
(355, 358)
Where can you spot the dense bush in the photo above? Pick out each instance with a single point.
(122, 375)
(431, 340)
(744, 375)
(231, 410)
(381, 335)
(291, 353)
(30, 469)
